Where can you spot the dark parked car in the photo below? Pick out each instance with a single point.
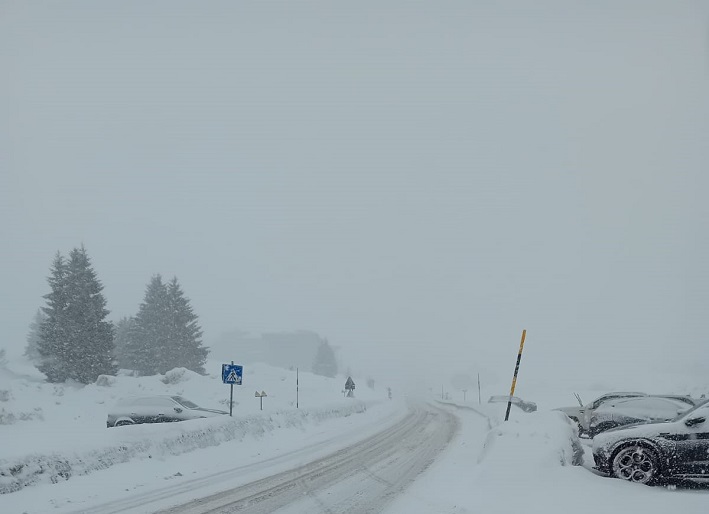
(652, 452)
(156, 409)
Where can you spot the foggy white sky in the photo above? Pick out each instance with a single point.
(405, 178)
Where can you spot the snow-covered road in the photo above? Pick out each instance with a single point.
(363, 477)
(333, 454)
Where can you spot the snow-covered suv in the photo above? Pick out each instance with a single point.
(156, 409)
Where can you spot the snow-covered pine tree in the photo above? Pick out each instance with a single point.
(53, 339)
(90, 348)
(75, 339)
(149, 334)
(34, 336)
(325, 363)
(184, 334)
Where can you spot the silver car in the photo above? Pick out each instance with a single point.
(526, 406)
(641, 409)
(583, 413)
(157, 409)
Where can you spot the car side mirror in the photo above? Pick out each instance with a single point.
(694, 421)
(178, 410)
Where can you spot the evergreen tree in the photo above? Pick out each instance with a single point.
(76, 341)
(148, 335)
(325, 363)
(91, 350)
(53, 340)
(34, 336)
(184, 337)
(165, 333)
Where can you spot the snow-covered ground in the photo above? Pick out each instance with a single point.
(58, 456)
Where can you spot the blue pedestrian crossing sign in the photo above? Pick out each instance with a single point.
(231, 374)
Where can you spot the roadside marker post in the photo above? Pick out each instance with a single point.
(514, 377)
(480, 401)
(260, 396)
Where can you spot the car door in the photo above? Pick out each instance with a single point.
(692, 443)
(165, 409)
(143, 410)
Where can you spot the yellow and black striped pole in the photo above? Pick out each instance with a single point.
(514, 378)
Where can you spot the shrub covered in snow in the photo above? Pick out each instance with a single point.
(105, 380)
(177, 375)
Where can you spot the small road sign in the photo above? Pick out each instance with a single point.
(349, 385)
(232, 373)
(260, 396)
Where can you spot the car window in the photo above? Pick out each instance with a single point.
(185, 402)
(166, 402)
(144, 402)
(154, 402)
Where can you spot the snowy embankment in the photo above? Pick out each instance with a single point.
(525, 464)
(158, 441)
(537, 441)
(51, 433)
(540, 439)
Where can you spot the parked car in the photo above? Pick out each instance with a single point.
(156, 409)
(526, 406)
(692, 402)
(641, 409)
(582, 414)
(650, 453)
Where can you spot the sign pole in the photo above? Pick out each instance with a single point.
(231, 395)
(514, 378)
(297, 387)
(479, 399)
(231, 375)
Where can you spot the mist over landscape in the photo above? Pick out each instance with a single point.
(414, 182)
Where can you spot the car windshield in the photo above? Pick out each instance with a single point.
(690, 412)
(185, 403)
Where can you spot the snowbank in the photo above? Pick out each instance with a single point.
(536, 440)
(157, 441)
(52, 432)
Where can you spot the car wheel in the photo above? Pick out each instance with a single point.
(123, 423)
(635, 463)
